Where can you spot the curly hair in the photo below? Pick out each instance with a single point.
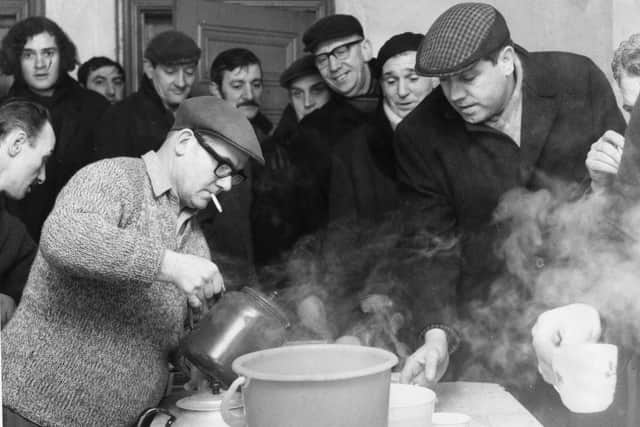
(20, 33)
(627, 57)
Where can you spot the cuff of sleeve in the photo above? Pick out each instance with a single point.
(453, 337)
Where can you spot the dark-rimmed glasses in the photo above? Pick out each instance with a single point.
(340, 53)
(224, 168)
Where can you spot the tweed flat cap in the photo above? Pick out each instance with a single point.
(462, 35)
(330, 28)
(301, 67)
(214, 117)
(172, 48)
(396, 45)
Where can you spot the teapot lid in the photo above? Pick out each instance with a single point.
(207, 401)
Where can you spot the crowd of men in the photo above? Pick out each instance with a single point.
(121, 212)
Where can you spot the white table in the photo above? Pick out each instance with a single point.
(488, 404)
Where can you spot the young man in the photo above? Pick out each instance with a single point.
(27, 140)
(502, 118)
(120, 262)
(140, 122)
(103, 75)
(38, 53)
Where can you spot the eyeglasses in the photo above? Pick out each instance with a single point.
(224, 168)
(340, 53)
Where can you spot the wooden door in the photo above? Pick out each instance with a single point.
(274, 34)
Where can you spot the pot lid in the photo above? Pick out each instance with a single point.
(207, 401)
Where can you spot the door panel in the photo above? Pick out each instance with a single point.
(273, 34)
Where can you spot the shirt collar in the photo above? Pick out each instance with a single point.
(158, 176)
(510, 120)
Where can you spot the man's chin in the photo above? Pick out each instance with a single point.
(249, 112)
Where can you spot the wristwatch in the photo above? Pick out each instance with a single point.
(453, 337)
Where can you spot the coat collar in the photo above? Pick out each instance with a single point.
(539, 110)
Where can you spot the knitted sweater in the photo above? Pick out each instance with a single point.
(89, 344)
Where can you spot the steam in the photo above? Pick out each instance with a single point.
(355, 279)
(557, 248)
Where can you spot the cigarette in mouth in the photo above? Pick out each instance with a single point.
(216, 202)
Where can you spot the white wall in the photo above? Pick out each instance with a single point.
(590, 27)
(91, 24)
(581, 26)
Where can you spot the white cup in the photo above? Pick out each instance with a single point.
(450, 419)
(410, 406)
(585, 375)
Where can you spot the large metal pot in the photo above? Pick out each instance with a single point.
(240, 322)
(318, 385)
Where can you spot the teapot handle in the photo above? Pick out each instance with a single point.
(146, 418)
(230, 418)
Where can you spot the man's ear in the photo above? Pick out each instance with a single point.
(367, 50)
(506, 60)
(147, 67)
(15, 140)
(183, 137)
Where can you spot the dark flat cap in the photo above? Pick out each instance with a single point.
(214, 117)
(462, 35)
(172, 48)
(396, 45)
(330, 28)
(301, 67)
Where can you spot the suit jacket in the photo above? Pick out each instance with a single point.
(458, 172)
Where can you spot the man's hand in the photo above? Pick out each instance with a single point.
(7, 307)
(198, 277)
(428, 364)
(570, 324)
(603, 159)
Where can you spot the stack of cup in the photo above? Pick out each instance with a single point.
(585, 375)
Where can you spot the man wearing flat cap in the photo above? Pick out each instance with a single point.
(140, 122)
(344, 58)
(120, 262)
(502, 118)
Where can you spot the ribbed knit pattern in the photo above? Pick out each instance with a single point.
(89, 344)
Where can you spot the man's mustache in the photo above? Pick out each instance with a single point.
(248, 104)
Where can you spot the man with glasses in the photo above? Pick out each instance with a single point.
(121, 259)
(140, 122)
(344, 58)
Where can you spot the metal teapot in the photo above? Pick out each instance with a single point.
(240, 322)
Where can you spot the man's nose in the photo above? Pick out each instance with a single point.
(111, 90)
(181, 80)
(456, 90)
(403, 88)
(334, 63)
(42, 175)
(308, 100)
(224, 183)
(247, 92)
(41, 62)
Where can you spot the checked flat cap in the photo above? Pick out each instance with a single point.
(462, 35)
(214, 117)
